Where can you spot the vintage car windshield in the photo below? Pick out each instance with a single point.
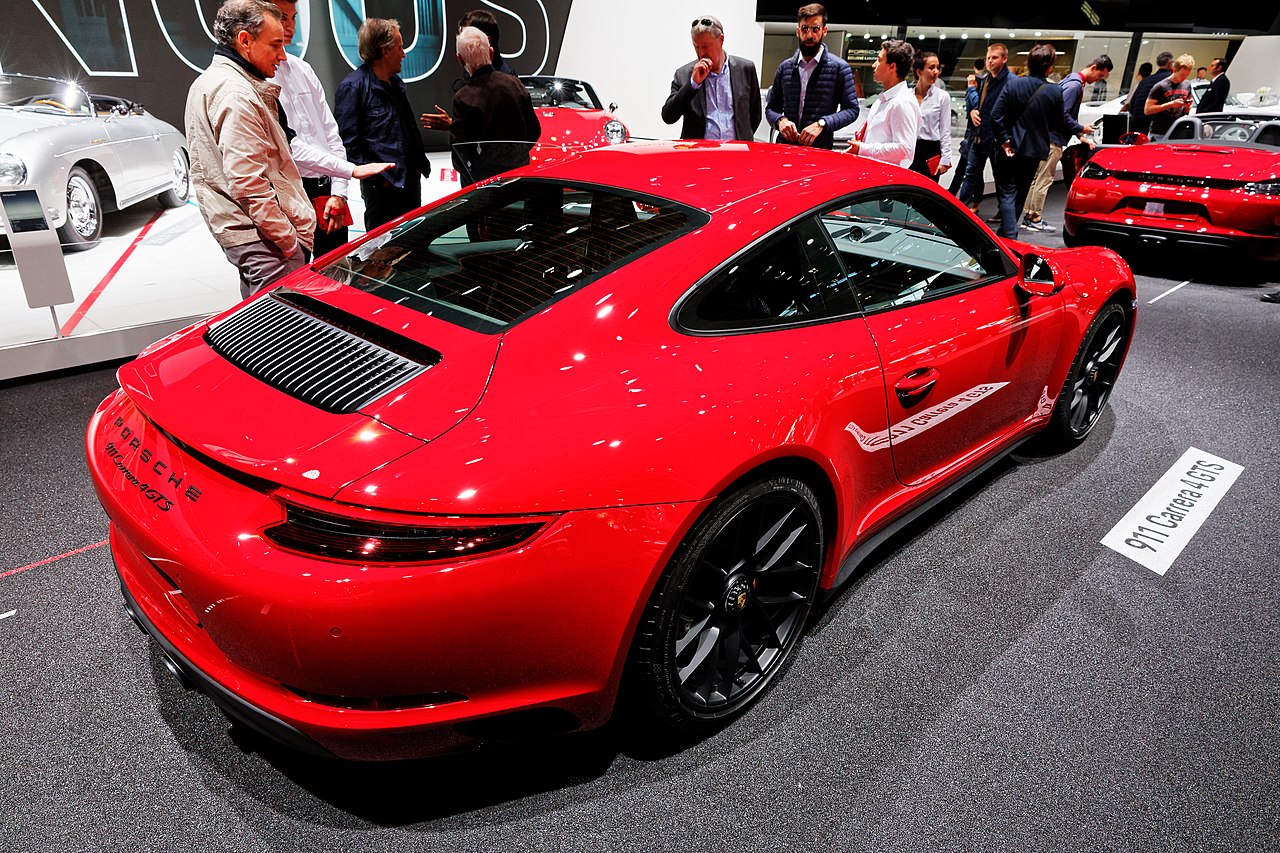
(558, 92)
(507, 249)
(41, 94)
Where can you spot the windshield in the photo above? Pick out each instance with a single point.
(556, 92)
(506, 250)
(39, 94)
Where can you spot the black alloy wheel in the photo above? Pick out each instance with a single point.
(1092, 376)
(731, 606)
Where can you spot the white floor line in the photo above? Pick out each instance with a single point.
(7, 615)
(1173, 289)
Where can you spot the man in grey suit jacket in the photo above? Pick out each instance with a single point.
(717, 95)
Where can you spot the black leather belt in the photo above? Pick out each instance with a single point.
(317, 187)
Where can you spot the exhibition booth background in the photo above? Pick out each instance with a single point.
(158, 270)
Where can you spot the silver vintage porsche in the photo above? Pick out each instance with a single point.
(87, 154)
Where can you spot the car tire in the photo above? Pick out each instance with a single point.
(729, 609)
(1068, 239)
(1089, 381)
(83, 227)
(177, 195)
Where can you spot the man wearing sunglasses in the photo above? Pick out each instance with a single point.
(717, 95)
(813, 94)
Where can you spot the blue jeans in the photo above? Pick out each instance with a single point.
(974, 167)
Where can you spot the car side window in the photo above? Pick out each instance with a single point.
(792, 277)
(901, 247)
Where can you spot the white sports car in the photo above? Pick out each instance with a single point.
(86, 154)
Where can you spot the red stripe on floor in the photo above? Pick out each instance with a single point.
(45, 562)
(83, 308)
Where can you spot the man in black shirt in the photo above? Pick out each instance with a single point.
(1139, 120)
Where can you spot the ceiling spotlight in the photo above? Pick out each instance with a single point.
(986, 35)
(1038, 34)
(964, 35)
(1013, 35)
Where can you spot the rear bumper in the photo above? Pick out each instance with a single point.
(1114, 230)
(371, 662)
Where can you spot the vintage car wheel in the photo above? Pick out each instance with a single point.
(177, 195)
(84, 213)
(730, 607)
(1090, 380)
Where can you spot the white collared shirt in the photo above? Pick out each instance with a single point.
(892, 127)
(935, 119)
(318, 148)
(806, 67)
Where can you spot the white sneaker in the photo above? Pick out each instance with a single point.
(1036, 225)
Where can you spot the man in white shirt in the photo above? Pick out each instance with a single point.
(894, 123)
(317, 146)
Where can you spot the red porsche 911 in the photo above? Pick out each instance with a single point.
(1213, 182)
(610, 422)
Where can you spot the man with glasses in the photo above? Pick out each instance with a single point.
(717, 95)
(813, 94)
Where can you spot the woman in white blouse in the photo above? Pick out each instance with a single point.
(933, 146)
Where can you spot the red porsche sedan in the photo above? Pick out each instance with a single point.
(1213, 182)
(612, 420)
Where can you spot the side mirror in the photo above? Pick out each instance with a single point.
(1035, 276)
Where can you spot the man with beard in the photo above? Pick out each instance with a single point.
(813, 94)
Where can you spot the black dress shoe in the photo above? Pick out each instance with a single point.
(1273, 296)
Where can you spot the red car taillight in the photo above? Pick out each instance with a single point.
(372, 536)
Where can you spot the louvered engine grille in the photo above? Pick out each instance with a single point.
(1178, 180)
(310, 358)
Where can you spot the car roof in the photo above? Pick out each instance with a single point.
(714, 175)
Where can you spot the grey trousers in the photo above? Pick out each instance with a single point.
(261, 264)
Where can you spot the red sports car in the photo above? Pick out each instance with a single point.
(1213, 182)
(609, 420)
(571, 115)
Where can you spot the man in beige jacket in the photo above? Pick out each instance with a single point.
(248, 188)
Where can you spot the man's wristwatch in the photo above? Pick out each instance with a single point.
(822, 122)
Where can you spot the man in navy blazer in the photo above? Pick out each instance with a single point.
(813, 94)
(1027, 112)
(717, 95)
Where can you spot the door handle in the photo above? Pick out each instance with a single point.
(916, 384)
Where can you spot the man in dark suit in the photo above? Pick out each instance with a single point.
(1215, 100)
(717, 95)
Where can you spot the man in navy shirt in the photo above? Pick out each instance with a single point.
(378, 126)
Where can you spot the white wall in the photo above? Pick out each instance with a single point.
(1254, 65)
(629, 51)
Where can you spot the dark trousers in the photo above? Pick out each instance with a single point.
(387, 202)
(326, 241)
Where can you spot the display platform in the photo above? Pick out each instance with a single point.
(155, 271)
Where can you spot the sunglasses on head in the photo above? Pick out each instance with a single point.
(703, 22)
